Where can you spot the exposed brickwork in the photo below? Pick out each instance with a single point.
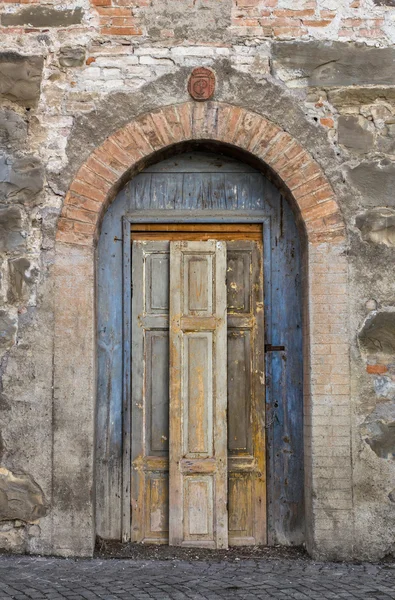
(327, 398)
(274, 18)
(247, 18)
(94, 183)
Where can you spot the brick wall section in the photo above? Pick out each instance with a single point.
(117, 16)
(275, 18)
(327, 399)
(283, 19)
(98, 179)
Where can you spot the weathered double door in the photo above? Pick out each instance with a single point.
(198, 403)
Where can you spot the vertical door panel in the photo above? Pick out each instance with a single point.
(198, 437)
(150, 391)
(246, 395)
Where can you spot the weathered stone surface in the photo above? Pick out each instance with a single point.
(334, 63)
(354, 133)
(49, 216)
(72, 57)
(8, 329)
(384, 387)
(356, 96)
(20, 77)
(13, 129)
(21, 277)
(375, 181)
(20, 497)
(378, 226)
(13, 539)
(386, 144)
(384, 2)
(378, 333)
(43, 16)
(380, 430)
(11, 229)
(20, 178)
(191, 19)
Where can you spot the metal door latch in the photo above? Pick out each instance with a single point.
(270, 348)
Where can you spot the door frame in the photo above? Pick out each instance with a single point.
(170, 216)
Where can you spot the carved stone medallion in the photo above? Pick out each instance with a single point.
(201, 84)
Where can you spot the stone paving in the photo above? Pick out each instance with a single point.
(244, 579)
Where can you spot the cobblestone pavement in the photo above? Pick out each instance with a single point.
(247, 579)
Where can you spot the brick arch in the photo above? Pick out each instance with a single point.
(100, 177)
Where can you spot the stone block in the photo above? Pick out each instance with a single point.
(72, 56)
(8, 329)
(20, 497)
(20, 178)
(386, 144)
(13, 539)
(49, 218)
(11, 238)
(353, 133)
(385, 388)
(379, 430)
(378, 226)
(328, 64)
(357, 96)
(13, 129)
(375, 181)
(197, 20)
(21, 277)
(20, 77)
(378, 334)
(42, 16)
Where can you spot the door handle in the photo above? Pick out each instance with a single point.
(270, 348)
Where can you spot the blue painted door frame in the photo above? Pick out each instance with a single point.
(283, 315)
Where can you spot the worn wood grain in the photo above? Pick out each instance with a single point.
(284, 371)
(198, 400)
(150, 392)
(246, 395)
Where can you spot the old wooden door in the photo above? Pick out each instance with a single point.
(188, 187)
(194, 468)
(198, 436)
(246, 394)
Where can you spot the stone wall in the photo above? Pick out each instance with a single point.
(72, 75)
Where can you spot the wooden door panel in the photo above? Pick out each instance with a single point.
(198, 510)
(246, 394)
(198, 513)
(241, 507)
(150, 391)
(238, 281)
(239, 392)
(150, 406)
(157, 512)
(157, 286)
(197, 395)
(157, 392)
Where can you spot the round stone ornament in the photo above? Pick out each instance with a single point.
(201, 84)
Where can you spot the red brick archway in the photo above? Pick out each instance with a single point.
(100, 177)
(327, 381)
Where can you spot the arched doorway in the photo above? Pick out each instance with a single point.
(198, 190)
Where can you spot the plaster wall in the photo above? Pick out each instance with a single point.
(70, 77)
